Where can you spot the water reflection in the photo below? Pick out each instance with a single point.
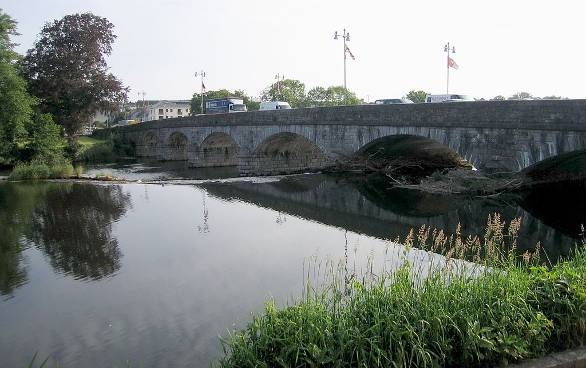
(16, 205)
(70, 223)
(374, 208)
(73, 228)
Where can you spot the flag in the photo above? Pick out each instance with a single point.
(349, 52)
(203, 86)
(452, 63)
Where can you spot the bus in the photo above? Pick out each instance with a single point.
(225, 105)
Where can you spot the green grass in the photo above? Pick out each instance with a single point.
(508, 308)
(39, 170)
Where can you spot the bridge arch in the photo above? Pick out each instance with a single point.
(177, 146)
(148, 145)
(413, 148)
(287, 152)
(219, 149)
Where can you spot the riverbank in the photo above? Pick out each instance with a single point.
(501, 311)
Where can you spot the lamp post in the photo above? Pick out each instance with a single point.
(143, 93)
(201, 74)
(453, 51)
(345, 37)
(279, 78)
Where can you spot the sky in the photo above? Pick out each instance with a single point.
(502, 47)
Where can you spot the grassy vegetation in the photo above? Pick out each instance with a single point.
(40, 170)
(503, 308)
(100, 151)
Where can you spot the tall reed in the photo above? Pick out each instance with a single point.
(502, 308)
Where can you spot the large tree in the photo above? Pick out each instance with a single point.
(331, 96)
(67, 70)
(417, 96)
(288, 90)
(24, 134)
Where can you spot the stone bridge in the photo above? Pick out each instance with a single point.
(491, 135)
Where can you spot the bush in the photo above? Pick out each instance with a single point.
(39, 170)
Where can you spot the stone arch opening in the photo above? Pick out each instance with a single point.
(410, 151)
(287, 152)
(177, 147)
(150, 143)
(219, 149)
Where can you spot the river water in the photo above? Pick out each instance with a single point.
(97, 274)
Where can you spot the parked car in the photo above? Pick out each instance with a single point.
(389, 101)
(448, 98)
(274, 105)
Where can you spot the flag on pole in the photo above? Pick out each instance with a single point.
(349, 52)
(452, 63)
(203, 86)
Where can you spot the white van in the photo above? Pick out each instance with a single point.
(447, 98)
(274, 105)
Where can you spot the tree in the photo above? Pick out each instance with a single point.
(24, 134)
(288, 90)
(522, 96)
(331, 96)
(498, 98)
(15, 102)
(417, 96)
(67, 70)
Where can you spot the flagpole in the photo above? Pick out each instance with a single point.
(448, 50)
(202, 74)
(448, 71)
(344, 37)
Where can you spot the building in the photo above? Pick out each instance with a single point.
(167, 110)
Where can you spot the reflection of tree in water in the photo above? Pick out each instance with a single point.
(73, 228)
(17, 201)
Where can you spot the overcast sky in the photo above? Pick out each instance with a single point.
(502, 47)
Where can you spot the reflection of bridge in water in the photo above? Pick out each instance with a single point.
(378, 211)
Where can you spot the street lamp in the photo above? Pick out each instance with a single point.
(143, 93)
(345, 37)
(201, 74)
(279, 78)
(449, 63)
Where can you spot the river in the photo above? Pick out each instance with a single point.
(98, 274)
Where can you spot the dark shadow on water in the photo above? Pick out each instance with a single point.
(375, 208)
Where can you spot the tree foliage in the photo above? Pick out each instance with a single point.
(67, 70)
(24, 134)
(331, 96)
(522, 96)
(288, 90)
(498, 98)
(417, 96)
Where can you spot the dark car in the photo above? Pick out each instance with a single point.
(389, 101)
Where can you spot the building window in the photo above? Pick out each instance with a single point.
(160, 117)
(170, 110)
(160, 111)
(179, 112)
(166, 110)
(187, 111)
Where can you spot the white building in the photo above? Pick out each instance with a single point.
(167, 110)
